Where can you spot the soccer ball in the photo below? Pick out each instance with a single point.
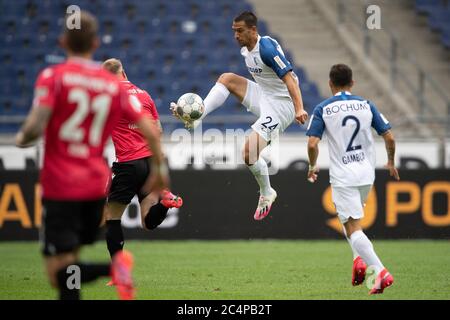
(190, 106)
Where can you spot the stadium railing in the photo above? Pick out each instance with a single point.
(390, 49)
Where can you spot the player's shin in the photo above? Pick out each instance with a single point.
(69, 285)
(261, 172)
(114, 236)
(155, 216)
(355, 253)
(215, 98)
(365, 249)
(66, 292)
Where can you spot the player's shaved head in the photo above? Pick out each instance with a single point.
(341, 76)
(81, 39)
(113, 65)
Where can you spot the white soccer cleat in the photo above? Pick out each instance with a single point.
(264, 205)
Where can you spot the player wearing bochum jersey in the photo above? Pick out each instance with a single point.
(78, 104)
(274, 97)
(132, 169)
(347, 120)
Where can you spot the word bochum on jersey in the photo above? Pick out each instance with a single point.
(267, 65)
(347, 120)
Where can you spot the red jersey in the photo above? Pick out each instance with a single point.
(87, 102)
(129, 143)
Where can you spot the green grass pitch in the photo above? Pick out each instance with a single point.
(242, 270)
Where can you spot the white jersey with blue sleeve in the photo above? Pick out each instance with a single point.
(267, 65)
(347, 120)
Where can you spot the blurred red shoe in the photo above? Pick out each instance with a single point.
(384, 280)
(122, 265)
(359, 271)
(169, 200)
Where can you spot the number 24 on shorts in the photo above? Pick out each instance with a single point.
(266, 126)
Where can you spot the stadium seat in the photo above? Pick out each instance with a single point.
(439, 18)
(426, 6)
(165, 46)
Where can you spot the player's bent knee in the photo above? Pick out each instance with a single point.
(227, 80)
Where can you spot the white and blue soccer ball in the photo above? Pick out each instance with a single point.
(190, 106)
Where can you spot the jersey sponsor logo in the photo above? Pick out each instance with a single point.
(135, 91)
(279, 62)
(91, 83)
(133, 126)
(345, 107)
(255, 70)
(355, 157)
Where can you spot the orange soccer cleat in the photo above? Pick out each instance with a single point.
(121, 268)
(384, 280)
(359, 271)
(169, 200)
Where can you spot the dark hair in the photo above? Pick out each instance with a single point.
(341, 75)
(248, 17)
(80, 40)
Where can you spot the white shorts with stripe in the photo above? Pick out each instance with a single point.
(275, 114)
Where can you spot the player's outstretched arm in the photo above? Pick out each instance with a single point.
(294, 91)
(160, 173)
(389, 142)
(34, 126)
(313, 154)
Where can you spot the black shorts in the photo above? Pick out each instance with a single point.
(128, 180)
(66, 225)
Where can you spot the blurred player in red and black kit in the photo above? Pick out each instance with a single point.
(132, 169)
(78, 104)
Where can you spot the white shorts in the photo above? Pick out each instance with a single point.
(350, 201)
(274, 114)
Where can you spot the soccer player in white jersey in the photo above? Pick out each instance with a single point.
(274, 96)
(347, 120)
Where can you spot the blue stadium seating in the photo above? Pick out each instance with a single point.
(438, 12)
(167, 47)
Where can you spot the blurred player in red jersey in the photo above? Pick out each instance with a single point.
(132, 169)
(78, 104)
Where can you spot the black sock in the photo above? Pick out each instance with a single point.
(93, 271)
(114, 236)
(155, 216)
(66, 293)
(88, 272)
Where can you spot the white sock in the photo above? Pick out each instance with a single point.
(355, 253)
(261, 173)
(364, 247)
(215, 98)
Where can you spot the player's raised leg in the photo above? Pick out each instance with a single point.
(155, 206)
(258, 166)
(226, 84)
